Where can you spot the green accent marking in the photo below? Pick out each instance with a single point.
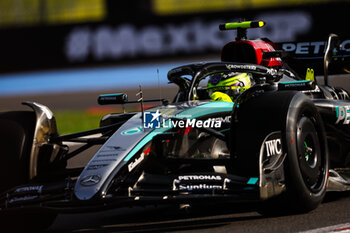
(304, 81)
(310, 74)
(237, 25)
(253, 180)
(246, 24)
(307, 156)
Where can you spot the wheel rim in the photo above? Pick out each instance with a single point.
(309, 152)
(311, 161)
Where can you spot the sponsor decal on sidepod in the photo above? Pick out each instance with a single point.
(343, 114)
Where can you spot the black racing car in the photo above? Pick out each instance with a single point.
(283, 142)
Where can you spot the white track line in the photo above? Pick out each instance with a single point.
(341, 228)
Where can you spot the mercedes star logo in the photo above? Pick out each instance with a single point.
(90, 180)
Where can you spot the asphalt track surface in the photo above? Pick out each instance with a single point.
(221, 218)
(333, 213)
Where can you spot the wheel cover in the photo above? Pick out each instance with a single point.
(311, 161)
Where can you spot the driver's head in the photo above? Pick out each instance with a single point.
(225, 87)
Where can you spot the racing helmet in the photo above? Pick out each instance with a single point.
(225, 87)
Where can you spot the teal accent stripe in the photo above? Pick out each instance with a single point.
(225, 130)
(211, 107)
(143, 142)
(253, 180)
(304, 81)
(107, 95)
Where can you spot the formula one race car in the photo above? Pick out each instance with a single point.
(284, 142)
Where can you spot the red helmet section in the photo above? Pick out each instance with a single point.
(250, 51)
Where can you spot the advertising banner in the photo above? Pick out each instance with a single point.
(136, 39)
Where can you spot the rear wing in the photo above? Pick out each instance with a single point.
(303, 55)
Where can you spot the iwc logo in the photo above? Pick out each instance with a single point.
(90, 180)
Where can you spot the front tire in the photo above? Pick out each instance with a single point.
(16, 140)
(306, 166)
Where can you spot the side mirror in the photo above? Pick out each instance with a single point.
(118, 98)
(333, 42)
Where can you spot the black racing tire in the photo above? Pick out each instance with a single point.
(296, 117)
(16, 140)
(306, 166)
